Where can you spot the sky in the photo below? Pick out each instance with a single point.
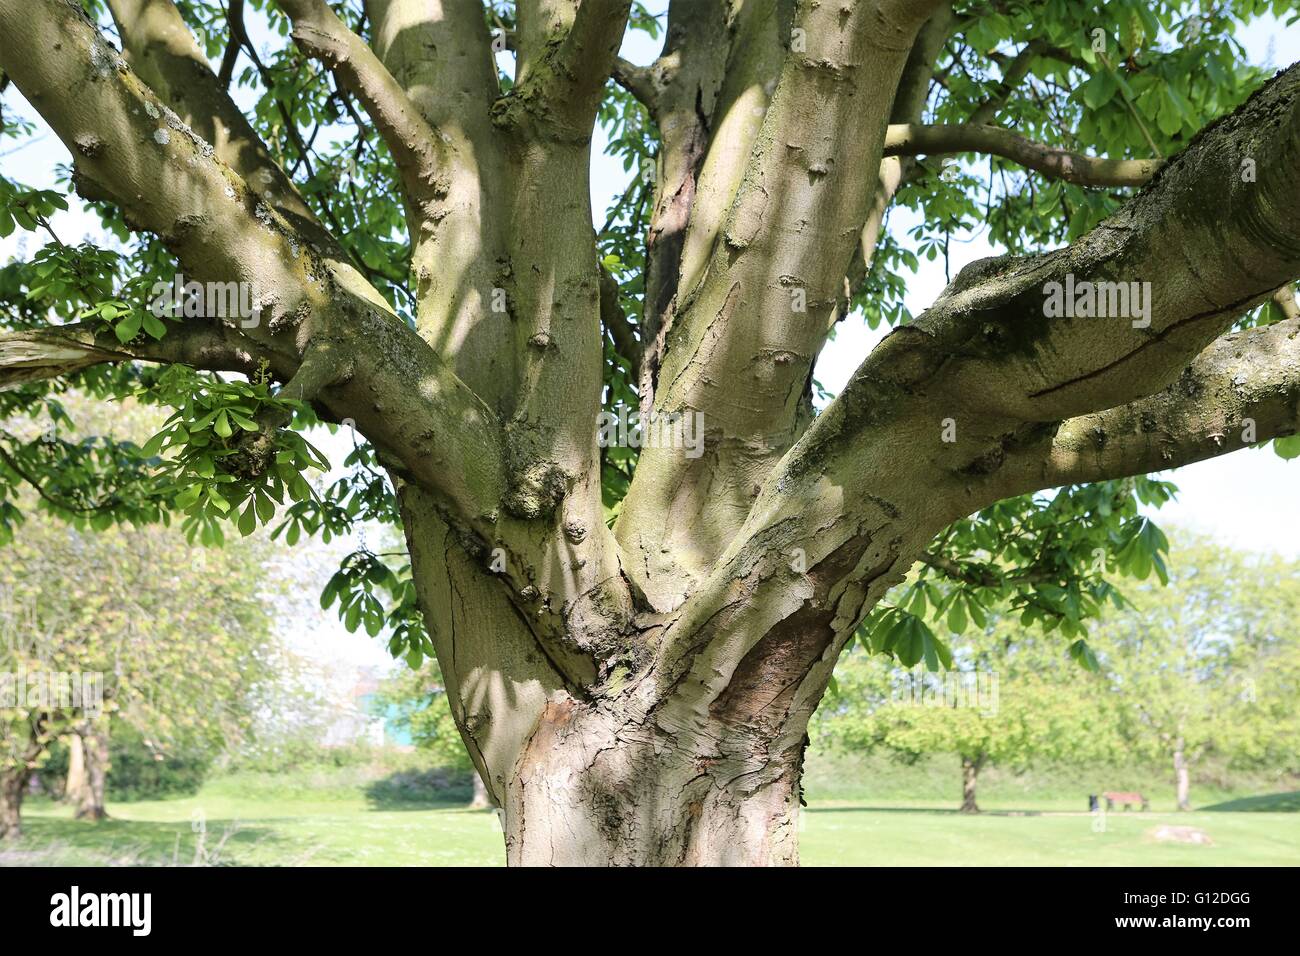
(1244, 500)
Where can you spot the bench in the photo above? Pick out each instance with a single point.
(1125, 798)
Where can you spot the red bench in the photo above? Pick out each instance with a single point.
(1126, 799)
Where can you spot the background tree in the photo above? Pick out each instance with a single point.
(1208, 664)
(633, 640)
(182, 673)
(1010, 699)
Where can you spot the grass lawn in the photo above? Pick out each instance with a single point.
(344, 828)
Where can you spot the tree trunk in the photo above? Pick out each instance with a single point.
(595, 789)
(481, 799)
(1182, 775)
(970, 769)
(88, 771)
(12, 785)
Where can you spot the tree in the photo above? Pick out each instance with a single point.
(88, 763)
(100, 612)
(1209, 663)
(634, 636)
(1009, 699)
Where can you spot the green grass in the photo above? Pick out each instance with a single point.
(878, 836)
(340, 832)
(905, 817)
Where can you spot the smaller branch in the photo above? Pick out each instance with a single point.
(1014, 71)
(959, 572)
(414, 143)
(1133, 111)
(37, 354)
(637, 80)
(238, 37)
(615, 320)
(18, 469)
(908, 139)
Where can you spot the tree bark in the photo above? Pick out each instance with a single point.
(594, 789)
(970, 769)
(13, 783)
(1182, 775)
(88, 771)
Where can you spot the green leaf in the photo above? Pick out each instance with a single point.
(153, 326)
(248, 520)
(1099, 90)
(1082, 655)
(957, 616)
(222, 425)
(154, 445)
(128, 328)
(1287, 448)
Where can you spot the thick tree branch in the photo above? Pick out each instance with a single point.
(909, 105)
(440, 52)
(566, 53)
(1051, 161)
(925, 428)
(686, 81)
(763, 305)
(758, 45)
(167, 180)
(1243, 389)
(163, 51)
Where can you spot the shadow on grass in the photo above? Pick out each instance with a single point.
(436, 789)
(48, 841)
(1265, 803)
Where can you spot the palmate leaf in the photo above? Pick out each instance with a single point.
(905, 637)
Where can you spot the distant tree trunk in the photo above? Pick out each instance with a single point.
(12, 785)
(970, 769)
(481, 799)
(1181, 775)
(88, 770)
